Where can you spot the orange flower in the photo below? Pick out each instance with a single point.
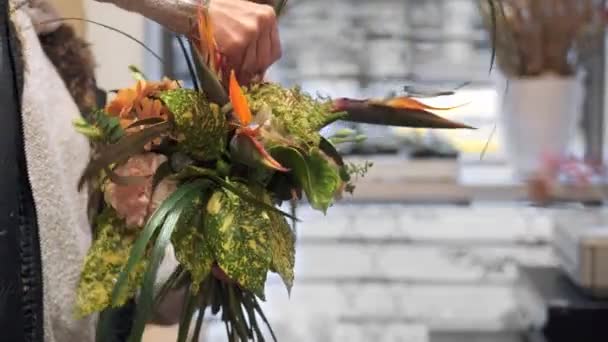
(239, 101)
(122, 103)
(137, 102)
(245, 140)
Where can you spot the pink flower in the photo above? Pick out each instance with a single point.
(133, 202)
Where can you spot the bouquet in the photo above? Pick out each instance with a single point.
(205, 170)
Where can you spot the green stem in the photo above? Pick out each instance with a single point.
(189, 308)
(237, 314)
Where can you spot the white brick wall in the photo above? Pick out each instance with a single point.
(408, 273)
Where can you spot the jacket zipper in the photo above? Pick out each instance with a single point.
(29, 239)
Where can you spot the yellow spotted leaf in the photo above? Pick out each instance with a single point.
(282, 244)
(190, 245)
(238, 234)
(107, 257)
(200, 126)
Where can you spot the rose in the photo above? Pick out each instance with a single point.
(136, 202)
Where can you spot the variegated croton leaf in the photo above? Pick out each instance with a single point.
(239, 236)
(200, 126)
(190, 245)
(106, 259)
(283, 246)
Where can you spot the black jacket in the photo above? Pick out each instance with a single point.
(21, 310)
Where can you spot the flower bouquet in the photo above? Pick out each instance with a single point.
(205, 170)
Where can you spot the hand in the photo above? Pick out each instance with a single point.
(247, 35)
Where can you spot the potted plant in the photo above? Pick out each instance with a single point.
(538, 45)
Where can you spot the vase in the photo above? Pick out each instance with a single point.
(539, 119)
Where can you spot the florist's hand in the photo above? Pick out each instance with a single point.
(247, 35)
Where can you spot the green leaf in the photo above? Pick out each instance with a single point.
(239, 237)
(145, 304)
(190, 245)
(200, 126)
(191, 171)
(317, 176)
(136, 73)
(105, 260)
(153, 224)
(100, 127)
(295, 114)
(282, 245)
(259, 310)
(210, 84)
(279, 6)
(189, 307)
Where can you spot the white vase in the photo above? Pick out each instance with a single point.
(539, 118)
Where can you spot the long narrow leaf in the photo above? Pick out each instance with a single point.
(139, 249)
(259, 310)
(187, 313)
(249, 307)
(237, 314)
(147, 121)
(169, 284)
(145, 303)
(142, 44)
(206, 293)
(279, 6)
(193, 77)
(199, 324)
(494, 23)
(210, 85)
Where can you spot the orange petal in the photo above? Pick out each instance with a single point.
(206, 37)
(239, 101)
(265, 157)
(410, 103)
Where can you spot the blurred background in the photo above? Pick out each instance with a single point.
(443, 236)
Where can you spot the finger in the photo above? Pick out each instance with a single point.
(249, 66)
(275, 42)
(264, 53)
(233, 52)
